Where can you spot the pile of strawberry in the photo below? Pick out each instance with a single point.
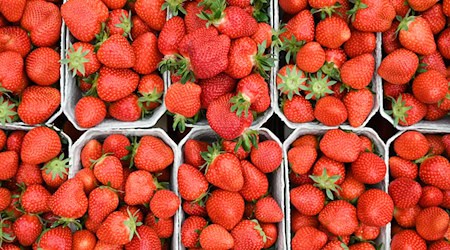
(239, 212)
(217, 58)
(329, 47)
(30, 33)
(115, 58)
(415, 69)
(334, 202)
(32, 167)
(420, 189)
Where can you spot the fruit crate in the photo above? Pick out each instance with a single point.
(376, 80)
(277, 181)
(75, 153)
(379, 146)
(262, 118)
(73, 93)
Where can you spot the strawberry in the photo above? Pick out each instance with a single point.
(116, 52)
(102, 201)
(84, 239)
(301, 27)
(309, 238)
(401, 7)
(150, 11)
(9, 164)
(405, 192)
(431, 197)
(248, 234)
(330, 111)
(5, 198)
(372, 15)
(306, 140)
(433, 171)
(12, 75)
(351, 189)
(299, 220)
(443, 42)
(171, 35)
(27, 229)
(360, 43)
(298, 110)
(390, 38)
(263, 34)
(339, 217)
(96, 115)
(55, 238)
(118, 228)
(432, 223)
(119, 23)
(362, 246)
(406, 217)
(225, 208)
(192, 184)
(317, 86)
(115, 84)
(434, 113)
(408, 238)
(415, 34)
(42, 66)
(127, 109)
(105, 246)
(327, 172)
(190, 230)
(114, 4)
(149, 145)
(442, 244)
(437, 146)
(108, 171)
(318, 4)
(54, 173)
(215, 237)
(399, 66)
(340, 146)
(369, 168)
(411, 145)
(434, 62)
(421, 5)
(14, 39)
(393, 90)
(334, 59)
(430, 87)
(267, 157)
(293, 7)
(435, 18)
(310, 57)
(35, 198)
(43, 22)
(138, 27)
(256, 183)
(12, 10)
(151, 87)
(446, 7)
(148, 239)
(69, 201)
(183, 100)
(271, 232)
(191, 19)
(332, 32)
(81, 59)
(215, 87)
(116, 144)
(162, 227)
(147, 54)
(267, 210)
(192, 151)
(407, 110)
(302, 158)
(359, 104)
(307, 199)
(220, 110)
(357, 72)
(194, 209)
(86, 175)
(41, 144)
(14, 141)
(38, 104)
(164, 204)
(289, 80)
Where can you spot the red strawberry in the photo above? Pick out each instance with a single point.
(301, 26)
(192, 21)
(108, 171)
(116, 52)
(84, 239)
(147, 54)
(437, 146)
(432, 223)
(215, 237)
(115, 84)
(194, 209)
(309, 238)
(5, 198)
(416, 35)
(327, 172)
(298, 110)
(12, 74)
(102, 201)
(446, 7)
(399, 66)
(114, 4)
(14, 141)
(369, 168)
(164, 204)
(69, 201)
(431, 197)
(359, 104)
(405, 192)
(35, 198)
(435, 18)
(407, 110)
(373, 15)
(149, 145)
(332, 32)
(340, 146)
(357, 72)
(408, 238)
(151, 87)
(318, 4)
(225, 208)
(183, 100)
(339, 217)
(299, 220)
(310, 57)
(301, 158)
(84, 18)
(127, 109)
(139, 27)
(267, 210)
(293, 7)
(421, 5)
(256, 183)
(56, 238)
(162, 227)
(351, 189)
(9, 164)
(390, 38)
(192, 151)
(96, 114)
(119, 23)
(434, 113)
(86, 175)
(360, 43)
(248, 234)
(334, 59)
(55, 172)
(190, 231)
(192, 184)
(42, 66)
(433, 171)
(27, 229)
(267, 157)
(393, 90)
(171, 35)
(434, 62)
(215, 87)
(118, 228)
(263, 34)
(150, 11)
(43, 22)
(443, 42)
(271, 232)
(148, 239)
(307, 199)
(438, 245)
(411, 145)
(430, 87)
(38, 104)
(406, 217)
(40, 145)
(105, 246)
(330, 111)
(116, 144)
(13, 10)
(15, 39)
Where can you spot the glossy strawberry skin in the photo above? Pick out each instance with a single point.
(115, 84)
(145, 48)
(225, 208)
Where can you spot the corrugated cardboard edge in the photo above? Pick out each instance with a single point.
(384, 237)
(157, 132)
(277, 182)
(376, 82)
(73, 94)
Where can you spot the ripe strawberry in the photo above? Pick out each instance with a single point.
(192, 184)
(38, 104)
(15, 39)
(446, 7)
(434, 113)
(43, 22)
(373, 15)
(215, 87)
(9, 164)
(251, 91)
(14, 141)
(318, 4)
(339, 217)
(399, 66)
(248, 233)
(366, 233)
(406, 217)
(293, 7)
(27, 229)
(267, 157)
(162, 227)
(334, 59)
(5, 198)
(307, 199)
(34, 199)
(332, 32)
(96, 114)
(302, 158)
(375, 208)
(298, 110)
(327, 172)
(191, 19)
(220, 110)
(139, 27)
(437, 146)
(431, 197)
(435, 18)
(400, 167)
(360, 43)
(190, 231)
(194, 209)
(164, 204)
(83, 240)
(306, 140)
(150, 11)
(56, 238)
(411, 145)
(289, 80)
(393, 90)
(151, 87)
(12, 73)
(148, 239)
(13, 10)
(439, 245)
(42, 66)
(390, 38)
(405, 192)
(119, 23)
(267, 210)
(301, 26)
(357, 72)
(340, 146)
(145, 48)
(69, 201)
(215, 236)
(102, 201)
(116, 52)
(225, 208)
(359, 104)
(443, 42)
(86, 175)
(299, 220)
(127, 109)
(91, 152)
(40, 145)
(369, 168)
(54, 172)
(183, 100)
(91, 226)
(351, 189)
(114, 4)
(309, 238)
(407, 110)
(433, 171)
(192, 151)
(263, 34)
(408, 238)
(255, 182)
(421, 5)
(118, 228)
(149, 145)
(434, 61)
(416, 35)
(116, 144)
(430, 87)
(171, 35)
(115, 84)
(432, 223)
(108, 171)
(366, 144)
(311, 57)
(330, 111)
(105, 246)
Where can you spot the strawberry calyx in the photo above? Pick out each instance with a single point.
(125, 24)
(75, 60)
(182, 67)
(259, 229)
(101, 37)
(93, 80)
(260, 10)
(150, 97)
(327, 183)
(68, 222)
(247, 140)
(179, 122)
(405, 21)
(132, 224)
(447, 97)
(263, 62)
(241, 104)
(357, 6)
(399, 109)
(174, 6)
(327, 11)
(291, 47)
(276, 40)
(317, 86)
(7, 111)
(331, 70)
(57, 167)
(291, 82)
(217, 12)
(209, 156)
(5, 237)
